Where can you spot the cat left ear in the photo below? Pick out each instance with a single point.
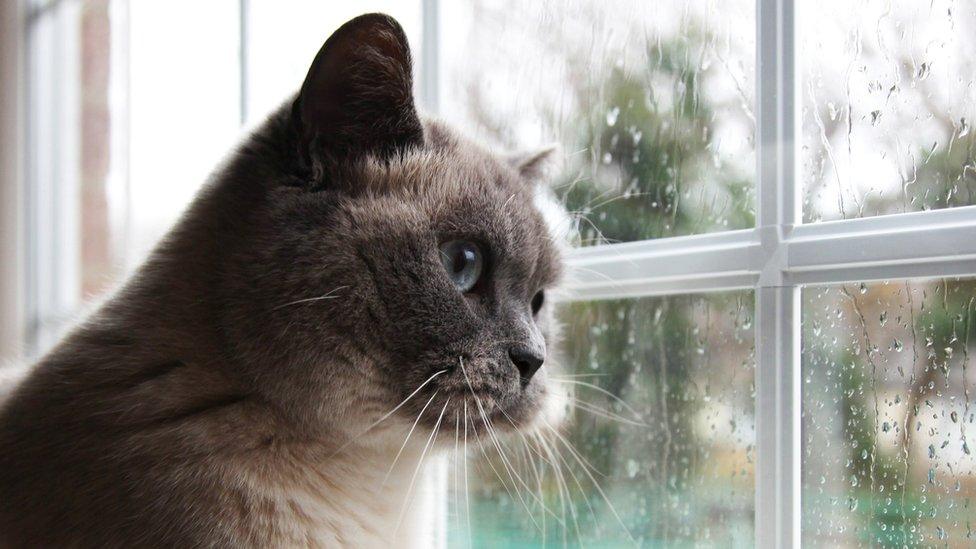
(357, 99)
(532, 166)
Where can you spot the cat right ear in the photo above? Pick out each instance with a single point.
(533, 165)
(357, 99)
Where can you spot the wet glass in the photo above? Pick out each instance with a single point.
(651, 103)
(888, 102)
(889, 414)
(658, 447)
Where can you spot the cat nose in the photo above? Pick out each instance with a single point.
(527, 360)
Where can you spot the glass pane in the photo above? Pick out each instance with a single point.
(71, 163)
(888, 102)
(652, 103)
(660, 442)
(285, 35)
(173, 86)
(888, 414)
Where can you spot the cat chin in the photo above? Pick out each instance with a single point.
(542, 410)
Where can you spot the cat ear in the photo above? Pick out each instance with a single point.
(357, 98)
(532, 165)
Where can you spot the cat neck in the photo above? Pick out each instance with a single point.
(361, 496)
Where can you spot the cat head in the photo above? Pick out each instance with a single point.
(394, 264)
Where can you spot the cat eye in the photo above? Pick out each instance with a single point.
(537, 300)
(463, 262)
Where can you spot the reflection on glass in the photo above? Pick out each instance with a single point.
(652, 103)
(658, 446)
(888, 414)
(888, 102)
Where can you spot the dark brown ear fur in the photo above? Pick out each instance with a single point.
(357, 99)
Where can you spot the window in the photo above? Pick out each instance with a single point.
(770, 307)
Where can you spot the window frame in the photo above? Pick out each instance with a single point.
(776, 258)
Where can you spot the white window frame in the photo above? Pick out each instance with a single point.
(775, 259)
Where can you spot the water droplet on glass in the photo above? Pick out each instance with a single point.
(923, 71)
(612, 115)
(632, 468)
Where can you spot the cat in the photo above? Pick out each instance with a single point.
(350, 289)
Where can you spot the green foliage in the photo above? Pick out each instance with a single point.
(650, 171)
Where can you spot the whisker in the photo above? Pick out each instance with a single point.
(512, 474)
(457, 441)
(467, 490)
(420, 463)
(529, 451)
(404, 445)
(528, 447)
(579, 486)
(600, 412)
(596, 484)
(493, 437)
(563, 489)
(603, 391)
(488, 460)
(388, 414)
(522, 435)
(572, 449)
(310, 299)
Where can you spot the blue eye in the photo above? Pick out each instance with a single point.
(463, 262)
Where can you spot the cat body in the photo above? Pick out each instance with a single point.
(276, 372)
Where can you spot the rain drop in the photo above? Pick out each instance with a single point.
(632, 468)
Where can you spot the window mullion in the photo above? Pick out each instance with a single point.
(435, 506)
(777, 404)
(12, 71)
(244, 38)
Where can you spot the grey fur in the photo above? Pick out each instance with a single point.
(298, 299)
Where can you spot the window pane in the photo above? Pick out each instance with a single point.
(285, 35)
(183, 112)
(663, 418)
(652, 103)
(888, 414)
(888, 102)
(70, 163)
